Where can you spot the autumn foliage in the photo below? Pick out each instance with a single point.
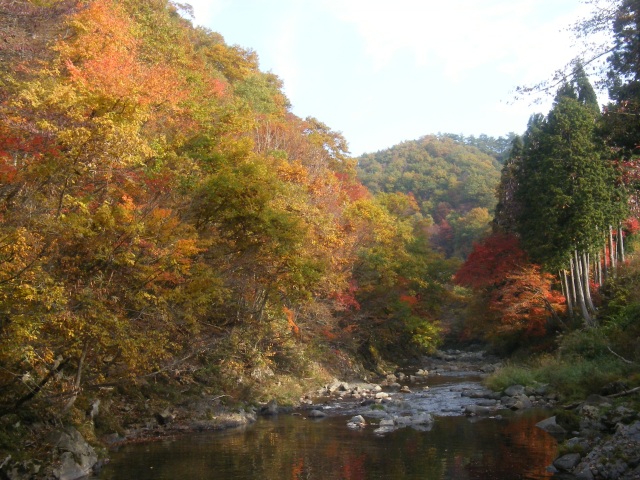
(159, 202)
(491, 261)
(518, 298)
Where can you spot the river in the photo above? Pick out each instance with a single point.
(506, 445)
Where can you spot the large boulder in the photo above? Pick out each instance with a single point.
(550, 425)
(514, 390)
(567, 462)
(517, 402)
(271, 408)
(77, 457)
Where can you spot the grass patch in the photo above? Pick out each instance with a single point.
(511, 374)
(572, 377)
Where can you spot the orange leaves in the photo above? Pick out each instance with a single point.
(524, 299)
(517, 292)
(105, 58)
(352, 188)
(290, 320)
(410, 300)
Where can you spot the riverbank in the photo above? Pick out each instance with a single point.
(601, 436)
(172, 405)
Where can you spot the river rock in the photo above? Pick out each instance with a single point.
(477, 410)
(405, 389)
(590, 418)
(421, 419)
(381, 395)
(25, 470)
(517, 402)
(514, 390)
(356, 423)
(271, 408)
(522, 402)
(77, 457)
(583, 473)
(316, 414)
(620, 414)
(539, 389)
(550, 425)
(567, 462)
(165, 417)
(336, 385)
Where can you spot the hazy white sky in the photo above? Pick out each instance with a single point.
(382, 72)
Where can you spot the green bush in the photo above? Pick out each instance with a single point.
(588, 344)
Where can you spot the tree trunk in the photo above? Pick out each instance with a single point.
(78, 379)
(599, 269)
(572, 285)
(567, 292)
(612, 252)
(579, 291)
(586, 281)
(605, 270)
(620, 244)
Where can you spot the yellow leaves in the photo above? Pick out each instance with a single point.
(103, 218)
(293, 172)
(19, 249)
(187, 247)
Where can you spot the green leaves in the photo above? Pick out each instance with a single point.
(566, 193)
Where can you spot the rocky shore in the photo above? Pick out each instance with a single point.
(601, 440)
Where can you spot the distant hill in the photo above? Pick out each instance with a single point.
(453, 179)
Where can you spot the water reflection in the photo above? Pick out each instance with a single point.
(291, 447)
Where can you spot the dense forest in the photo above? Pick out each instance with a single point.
(166, 219)
(452, 178)
(160, 206)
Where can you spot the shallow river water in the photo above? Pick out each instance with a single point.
(504, 447)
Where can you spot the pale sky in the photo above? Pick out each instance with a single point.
(382, 72)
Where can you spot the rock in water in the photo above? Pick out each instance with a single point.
(550, 425)
(357, 422)
(270, 409)
(317, 414)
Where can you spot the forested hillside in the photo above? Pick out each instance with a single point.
(452, 178)
(162, 210)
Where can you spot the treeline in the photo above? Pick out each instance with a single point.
(160, 204)
(567, 204)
